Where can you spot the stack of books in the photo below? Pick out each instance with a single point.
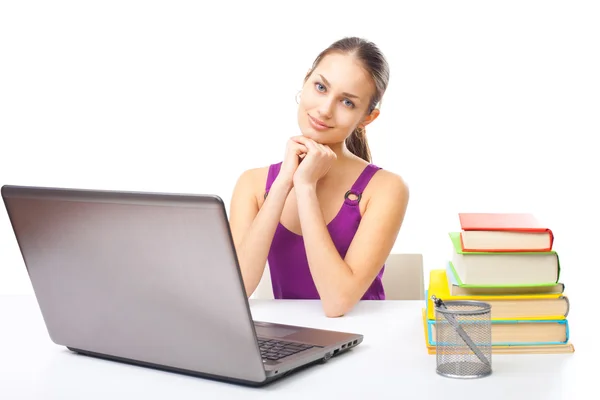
(507, 261)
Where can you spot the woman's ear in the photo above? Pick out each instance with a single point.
(371, 117)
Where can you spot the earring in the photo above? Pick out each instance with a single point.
(298, 97)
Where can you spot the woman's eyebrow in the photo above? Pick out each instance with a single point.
(345, 94)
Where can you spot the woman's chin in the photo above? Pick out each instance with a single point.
(316, 136)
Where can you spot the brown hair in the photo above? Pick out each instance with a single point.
(376, 65)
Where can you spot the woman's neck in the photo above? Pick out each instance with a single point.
(342, 153)
(344, 162)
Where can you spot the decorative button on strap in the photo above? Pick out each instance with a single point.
(358, 195)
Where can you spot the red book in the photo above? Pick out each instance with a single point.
(504, 232)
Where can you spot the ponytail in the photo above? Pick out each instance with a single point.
(357, 144)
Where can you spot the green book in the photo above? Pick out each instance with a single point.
(503, 269)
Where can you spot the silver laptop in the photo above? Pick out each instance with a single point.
(152, 279)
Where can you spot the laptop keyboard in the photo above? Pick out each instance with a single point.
(272, 349)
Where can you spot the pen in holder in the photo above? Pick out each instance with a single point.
(463, 336)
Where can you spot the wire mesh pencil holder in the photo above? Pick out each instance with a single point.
(463, 337)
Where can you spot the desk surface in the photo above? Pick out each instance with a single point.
(392, 362)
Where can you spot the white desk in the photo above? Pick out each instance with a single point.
(392, 362)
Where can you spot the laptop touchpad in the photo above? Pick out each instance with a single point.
(274, 331)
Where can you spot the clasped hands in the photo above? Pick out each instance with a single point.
(306, 161)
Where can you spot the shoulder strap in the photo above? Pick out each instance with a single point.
(273, 172)
(363, 179)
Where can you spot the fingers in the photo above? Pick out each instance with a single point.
(322, 149)
(299, 148)
(301, 151)
(301, 139)
(312, 146)
(308, 144)
(331, 153)
(326, 151)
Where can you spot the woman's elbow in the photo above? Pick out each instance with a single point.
(337, 308)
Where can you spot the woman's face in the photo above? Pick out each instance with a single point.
(335, 99)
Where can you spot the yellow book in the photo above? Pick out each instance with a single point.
(554, 306)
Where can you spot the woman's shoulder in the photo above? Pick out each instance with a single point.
(387, 183)
(255, 176)
(251, 184)
(254, 179)
(387, 177)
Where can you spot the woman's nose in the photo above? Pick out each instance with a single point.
(326, 108)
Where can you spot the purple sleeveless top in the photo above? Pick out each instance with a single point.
(290, 274)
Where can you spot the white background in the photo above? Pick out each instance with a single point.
(491, 106)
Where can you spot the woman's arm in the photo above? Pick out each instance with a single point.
(342, 282)
(252, 228)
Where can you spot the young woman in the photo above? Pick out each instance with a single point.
(324, 218)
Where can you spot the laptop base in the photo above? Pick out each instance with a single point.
(195, 374)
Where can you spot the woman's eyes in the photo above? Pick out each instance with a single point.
(321, 88)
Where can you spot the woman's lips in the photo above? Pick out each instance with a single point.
(318, 125)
